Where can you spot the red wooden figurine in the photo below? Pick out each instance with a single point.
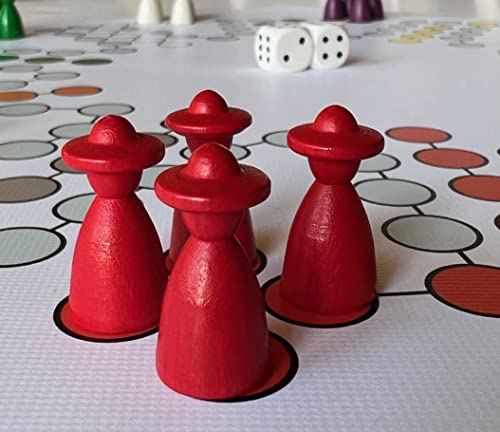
(329, 273)
(213, 341)
(118, 274)
(208, 118)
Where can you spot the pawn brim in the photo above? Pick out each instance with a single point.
(229, 122)
(236, 193)
(134, 155)
(363, 143)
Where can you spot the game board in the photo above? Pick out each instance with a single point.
(427, 359)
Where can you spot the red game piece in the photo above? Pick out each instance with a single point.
(118, 275)
(207, 119)
(329, 270)
(213, 341)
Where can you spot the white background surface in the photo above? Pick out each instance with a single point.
(417, 365)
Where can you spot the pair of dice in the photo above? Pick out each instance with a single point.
(296, 48)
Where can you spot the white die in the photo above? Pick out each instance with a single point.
(283, 49)
(331, 45)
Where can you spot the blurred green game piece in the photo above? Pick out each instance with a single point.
(11, 25)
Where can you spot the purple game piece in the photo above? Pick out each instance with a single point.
(377, 9)
(335, 10)
(348, 6)
(360, 11)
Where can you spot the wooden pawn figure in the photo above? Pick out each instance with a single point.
(329, 274)
(118, 275)
(208, 118)
(213, 341)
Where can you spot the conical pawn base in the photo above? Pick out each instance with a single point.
(343, 280)
(108, 300)
(207, 348)
(107, 303)
(331, 289)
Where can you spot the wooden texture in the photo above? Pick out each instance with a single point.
(329, 264)
(213, 341)
(118, 277)
(209, 119)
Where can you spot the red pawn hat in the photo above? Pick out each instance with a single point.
(335, 135)
(208, 116)
(113, 146)
(212, 182)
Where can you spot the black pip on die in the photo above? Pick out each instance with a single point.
(297, 48)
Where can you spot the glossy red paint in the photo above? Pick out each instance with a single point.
(213, 341)
(208, 118)
(118, 276)
(329, 265)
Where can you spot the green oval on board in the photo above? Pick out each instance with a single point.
(92, 61)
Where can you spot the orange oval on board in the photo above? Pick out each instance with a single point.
(483, 187)
(468, 287)
(417, 134)
(451, 158)
(77, 91)
(17, 96)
